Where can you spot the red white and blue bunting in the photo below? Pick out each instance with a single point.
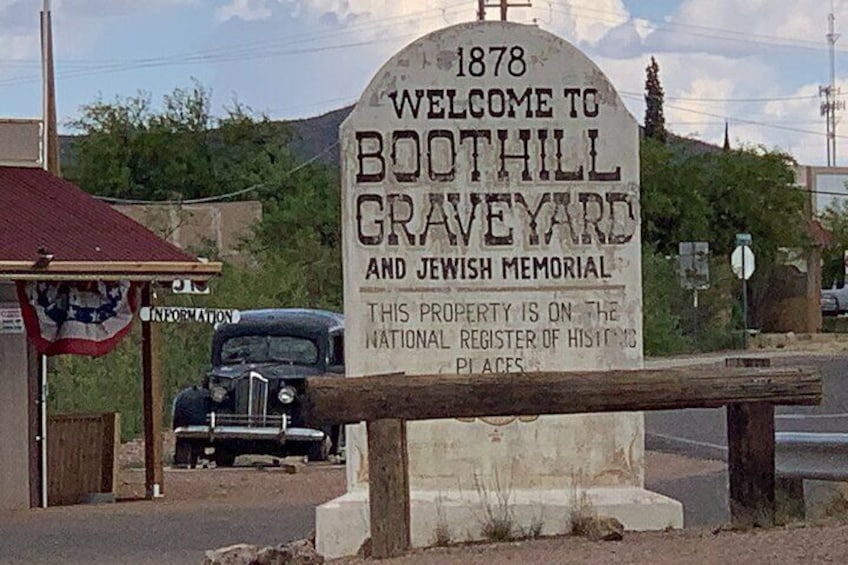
(79, 318)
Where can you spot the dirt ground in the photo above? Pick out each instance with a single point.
(258, 480)
(810, 545)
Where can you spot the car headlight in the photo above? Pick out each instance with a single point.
(218, 393)
(286, 394)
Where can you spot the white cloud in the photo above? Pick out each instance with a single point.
(247, 10)
(587, 21)
(743, 25)
(20, 21)
(643, 28)
(805, 19)
(14, 46)
(709, 51)
(105, 8)
(697, 89)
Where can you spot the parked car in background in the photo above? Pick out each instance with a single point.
(834, 301)
(248, 403)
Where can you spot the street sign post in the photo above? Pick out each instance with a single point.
(742, 262)
(743, 239)
(694, 267)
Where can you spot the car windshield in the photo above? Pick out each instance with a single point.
(269, 349)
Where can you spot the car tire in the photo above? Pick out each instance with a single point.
(185, 454)
(339, 440)
(224, 458)
(191, 407)
(320, 450)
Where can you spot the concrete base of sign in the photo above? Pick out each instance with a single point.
(342, 524)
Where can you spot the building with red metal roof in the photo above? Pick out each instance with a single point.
(52, 233)
(45, 215)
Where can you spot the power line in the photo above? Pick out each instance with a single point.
(244, 51)
(219, 197)
(687, 29)
(721, 122)
(225, 58)
(289, 39)
(740, 120)
(730, 100)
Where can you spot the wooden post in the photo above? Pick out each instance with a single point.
(152, 396)
(791, 502)
(36, 434)
(111, 445)
(388, 488)
(431, 397)
(750, 442)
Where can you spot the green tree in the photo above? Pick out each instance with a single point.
(178, 150)
(689, 194)
(712, 196)
(835, 220)
(130, 149)
(654, 96)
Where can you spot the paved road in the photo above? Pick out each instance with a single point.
(703, 432)
(704, 498)
(143, 533)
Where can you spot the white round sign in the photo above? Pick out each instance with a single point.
(742, 262)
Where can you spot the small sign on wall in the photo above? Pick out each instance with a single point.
(11, 321)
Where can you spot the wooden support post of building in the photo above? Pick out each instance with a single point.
(36, 433)
(750, 442)
(111, 446)
(388, 485)
(151, 376)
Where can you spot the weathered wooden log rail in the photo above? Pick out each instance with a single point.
(385, 403)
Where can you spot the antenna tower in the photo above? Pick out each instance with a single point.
(503, 5)
(831, 105)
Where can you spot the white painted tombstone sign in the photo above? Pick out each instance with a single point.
(491, 224)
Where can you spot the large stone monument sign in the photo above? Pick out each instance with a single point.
(491, 224)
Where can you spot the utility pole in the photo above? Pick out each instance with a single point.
(50, 133)
(831, 105)
(503, 5)
(37, 365)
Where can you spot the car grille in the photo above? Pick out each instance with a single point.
(251, 398)
(280, 421)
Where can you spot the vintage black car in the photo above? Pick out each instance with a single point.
(248, 402)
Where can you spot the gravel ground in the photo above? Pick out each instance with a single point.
(810, 545)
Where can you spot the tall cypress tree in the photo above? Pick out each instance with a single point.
(654, 95)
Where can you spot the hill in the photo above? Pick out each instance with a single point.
(317, 135)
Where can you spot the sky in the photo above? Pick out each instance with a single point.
(757, 64)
